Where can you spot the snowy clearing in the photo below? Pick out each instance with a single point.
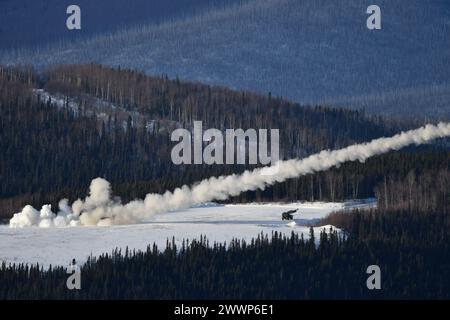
(57, 246)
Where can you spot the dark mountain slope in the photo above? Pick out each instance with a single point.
(309, 51)
(25, 23)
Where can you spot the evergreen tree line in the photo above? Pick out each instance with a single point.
(305, 129)
(51, 152)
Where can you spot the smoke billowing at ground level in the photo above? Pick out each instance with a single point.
(100, 209)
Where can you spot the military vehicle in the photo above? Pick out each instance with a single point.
(288, 215)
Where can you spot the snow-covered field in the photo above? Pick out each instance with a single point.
(58, 246)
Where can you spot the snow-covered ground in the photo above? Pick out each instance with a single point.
(58, 246)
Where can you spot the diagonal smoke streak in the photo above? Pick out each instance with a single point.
(99, 209)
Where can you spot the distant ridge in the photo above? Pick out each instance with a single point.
(308, 51)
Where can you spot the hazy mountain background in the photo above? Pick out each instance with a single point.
(36, 22)
(308, 51)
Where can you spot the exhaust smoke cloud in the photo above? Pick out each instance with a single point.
(99, 208)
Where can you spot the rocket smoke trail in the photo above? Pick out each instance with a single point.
(100, 209)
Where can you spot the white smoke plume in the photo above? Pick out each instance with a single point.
(100, 209)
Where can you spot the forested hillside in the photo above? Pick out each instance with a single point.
(406, 236)
(52, 149)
